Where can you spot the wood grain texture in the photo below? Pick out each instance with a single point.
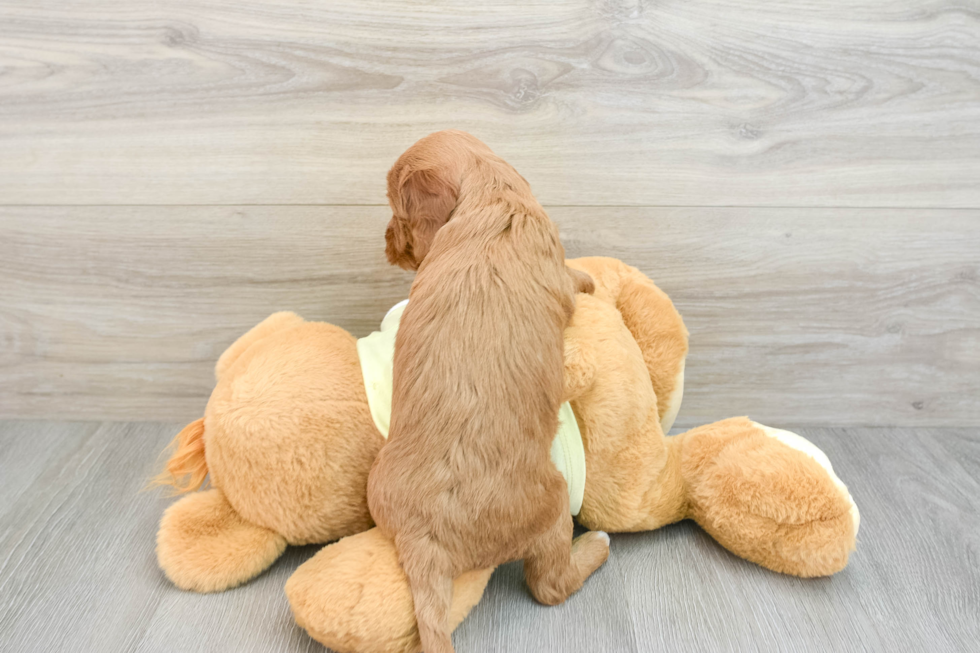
(76, 548)
(622, 102)
(811, 316)
(77, 570)
(126, 310)
(803, 316)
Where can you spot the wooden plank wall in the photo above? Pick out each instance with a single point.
(803, 180)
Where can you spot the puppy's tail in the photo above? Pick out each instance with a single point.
(432, 592)
(187, 468)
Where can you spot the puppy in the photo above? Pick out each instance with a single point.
(465, 480)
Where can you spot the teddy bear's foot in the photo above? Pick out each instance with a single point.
(205, 546)
(769, 496)
(803, 445)
(354, 596)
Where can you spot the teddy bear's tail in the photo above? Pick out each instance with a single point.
(187, 468)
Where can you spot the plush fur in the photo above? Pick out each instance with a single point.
(735, 477)
(768, 502)
(653, 323)
(466, 479)
(205, 546)
(371, 595)
(187, 468)
(288, 439)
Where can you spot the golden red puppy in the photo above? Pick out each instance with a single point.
(466, 480)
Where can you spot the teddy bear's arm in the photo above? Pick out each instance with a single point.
(653, 321)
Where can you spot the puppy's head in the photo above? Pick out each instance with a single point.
(423, 189)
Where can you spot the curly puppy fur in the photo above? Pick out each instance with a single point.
(466, 480)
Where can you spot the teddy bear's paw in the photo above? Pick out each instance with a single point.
(353, 596)
(798, 442)
(203, 545)
(769, 496)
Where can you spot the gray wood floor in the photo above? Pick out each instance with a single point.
(77, 570)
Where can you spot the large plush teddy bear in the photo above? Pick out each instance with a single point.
(288, 440)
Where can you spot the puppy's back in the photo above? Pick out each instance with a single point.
(478, 380)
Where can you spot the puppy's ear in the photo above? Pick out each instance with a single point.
(426, 200)
(398, 247)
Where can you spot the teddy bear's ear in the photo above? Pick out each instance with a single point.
(422, 201)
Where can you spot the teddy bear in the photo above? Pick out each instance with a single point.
(288, 438)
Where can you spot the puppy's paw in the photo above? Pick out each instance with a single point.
(582, 281)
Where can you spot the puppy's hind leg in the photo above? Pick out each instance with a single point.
(431, 580)
(556, 567)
